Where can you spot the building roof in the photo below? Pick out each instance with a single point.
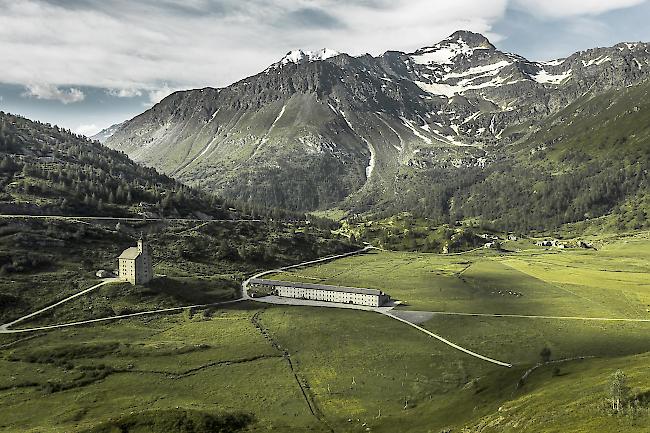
(316, 286)
(130, 253)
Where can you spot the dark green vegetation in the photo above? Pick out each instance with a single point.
(306, 369)
(588, 160)
(48, 170)
(165, 421)
(48, 259)
(404, 232)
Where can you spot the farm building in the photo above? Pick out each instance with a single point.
(554, 243)
(135, 264)
(321, 292)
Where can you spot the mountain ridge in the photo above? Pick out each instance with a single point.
(342, 131)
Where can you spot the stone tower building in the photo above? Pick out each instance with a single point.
(135, 264)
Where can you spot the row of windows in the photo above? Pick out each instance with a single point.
(324, 295)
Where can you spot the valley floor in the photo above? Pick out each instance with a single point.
(298, 368)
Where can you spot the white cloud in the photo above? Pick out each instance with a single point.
(87, 130)
(572, 8)
(157, 95)
(131, 47)
(124, 93)
(53, 92)
(121, 44)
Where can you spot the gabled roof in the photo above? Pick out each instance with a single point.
(130, 253)
(276, 283)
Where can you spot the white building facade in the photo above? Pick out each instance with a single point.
(320, 292)
(134, 264)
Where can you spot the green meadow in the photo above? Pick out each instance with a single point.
(322, 370)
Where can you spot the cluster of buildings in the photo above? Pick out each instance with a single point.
(321, 292)
(552, 243)
(135, 267)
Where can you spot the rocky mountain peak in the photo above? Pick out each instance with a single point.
(471, 39)
(300, 56)
(460, 44)
(348, 129)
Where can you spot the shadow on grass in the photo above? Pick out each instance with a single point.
(175, 421)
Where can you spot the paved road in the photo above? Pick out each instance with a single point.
(129, 219)
(245, 284)
(4, 328)
(386, 310)
(279, 300)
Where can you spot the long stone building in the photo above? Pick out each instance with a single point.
(321, 292)
(135, 264)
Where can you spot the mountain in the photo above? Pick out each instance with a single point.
(48, 170)
(416, 131)
(105, 134)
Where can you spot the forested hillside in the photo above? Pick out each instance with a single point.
(590, 159)
(47, 170)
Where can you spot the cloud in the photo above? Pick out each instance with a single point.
(124, 93)
(311, 17)
(131, 47)
(573, 8)
(87, 130)
(160, 93)
(52, 92)
(195, 43)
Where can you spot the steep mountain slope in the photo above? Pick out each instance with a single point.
(587, 160)
(321, 130)
(105, 134)
(47, 170)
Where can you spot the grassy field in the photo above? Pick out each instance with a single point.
(609, 282)
(307, 369)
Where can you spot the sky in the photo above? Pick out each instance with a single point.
(88, 64)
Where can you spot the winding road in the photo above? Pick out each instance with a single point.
(385, 310)
(125, 219)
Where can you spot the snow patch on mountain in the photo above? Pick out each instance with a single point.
(449, 90)
(486, 70)
(444, 52)
(597, 61)
(417, 133)
(299, 56)
(557, 62)
(544, 77)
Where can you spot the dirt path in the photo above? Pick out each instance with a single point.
(449, 343)
(529, 316)
(4, 328)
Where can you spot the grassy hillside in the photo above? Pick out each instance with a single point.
(308, 369)
(47, 259)
(47, 170)
(574, 397)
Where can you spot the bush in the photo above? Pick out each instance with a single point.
(176, 420)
